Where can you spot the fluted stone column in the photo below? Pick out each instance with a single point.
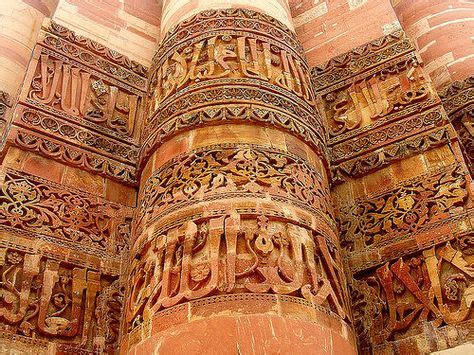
(20, 22)
(443, 31)
(235, 248)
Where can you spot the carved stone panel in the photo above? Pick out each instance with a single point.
(81, 105)
(47, 299)
(375, 99)
(230, 65)
(398, 299)
(40, 208)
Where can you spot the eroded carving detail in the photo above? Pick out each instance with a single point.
(48, 299)
(396, 299)
(247, 72)
(229, 170)
(458, 100)
(229, 254)
(403, 210)
(39, 206)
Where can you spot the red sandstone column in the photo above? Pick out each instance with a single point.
(235, 247)
(175, 11)
(444, 32)
(20, 22)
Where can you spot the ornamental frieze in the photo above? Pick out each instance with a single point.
(96, 56)
(362, 59)
(224, 171)
(95, 47)
(241, 61)
(82, 104)
(376, 100)
(40, 207)
(234, 254)
(370, 162)
(401, 129)
(385, 221)
(5, 105)
(397, 299)
(68, 154)
(381, 108)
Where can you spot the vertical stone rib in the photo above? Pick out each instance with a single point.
(443, 31)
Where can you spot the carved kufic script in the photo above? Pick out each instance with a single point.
(364, 102)
(79, 93)
(232, 254)
(396, 299)
(232, 57)
(44, 298)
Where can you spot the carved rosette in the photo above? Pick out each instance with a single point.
(224, 211)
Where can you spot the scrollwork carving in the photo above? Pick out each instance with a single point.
(39, 206)
(228, 170)
(403, 210)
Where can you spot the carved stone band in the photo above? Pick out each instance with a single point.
(241, 61)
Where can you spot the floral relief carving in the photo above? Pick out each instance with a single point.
(234, 169)
(403, 210)
(41, 207)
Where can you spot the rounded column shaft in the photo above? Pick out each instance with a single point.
(443, 31)
(20, 22)
(234, 232)
(175, 11)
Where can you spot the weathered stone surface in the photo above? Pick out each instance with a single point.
(228, 197)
